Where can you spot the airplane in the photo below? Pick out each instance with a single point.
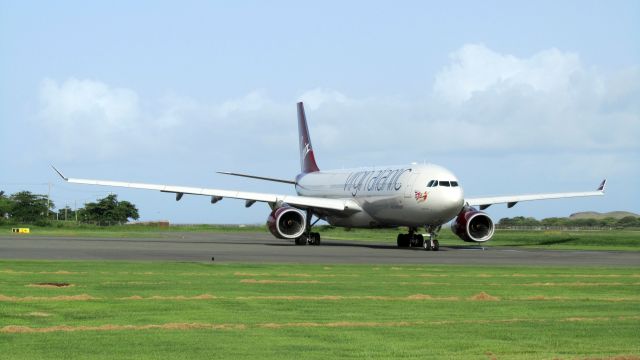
(412, 196)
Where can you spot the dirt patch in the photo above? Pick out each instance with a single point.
(574, 284)
(256, 281)
(13, 272)
(82, 297)
(292, 297)
(51, 285)
(582, 319)
(251, 274)
(593, 275)
(483, 296)
(38, 314)
(171, 326)
(419, 297)
(294, 275)
(339, 324)
(491, 356)
(546, 298)
(416, 297)
(179, 297)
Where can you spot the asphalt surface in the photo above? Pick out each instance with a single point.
(263, 248)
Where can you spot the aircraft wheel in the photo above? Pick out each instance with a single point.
(302, 240)
(403, 240)
(426, 245)
(436, 245)
(419, 240)
(316, 238)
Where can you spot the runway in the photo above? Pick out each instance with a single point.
(262, 248)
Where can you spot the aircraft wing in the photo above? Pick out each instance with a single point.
(485, 202)
(302, 202)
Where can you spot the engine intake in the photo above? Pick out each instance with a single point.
(472, 225)
(286, 222)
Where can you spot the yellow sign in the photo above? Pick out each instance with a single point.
(20, 230)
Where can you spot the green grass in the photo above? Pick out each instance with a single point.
(623, 240)
(126, 231)
(316, 311)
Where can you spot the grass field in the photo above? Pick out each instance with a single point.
(108, 310)
(627, 240)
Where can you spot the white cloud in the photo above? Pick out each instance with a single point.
(483, 101)
(175, 111)
(75, 102)
(252, 102)
(87, 116)
(475, 68)
(315, 98)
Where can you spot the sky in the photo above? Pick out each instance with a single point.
(512, 97)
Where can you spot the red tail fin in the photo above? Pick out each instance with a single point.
(307, 159)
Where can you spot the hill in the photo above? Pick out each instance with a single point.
(599, 216)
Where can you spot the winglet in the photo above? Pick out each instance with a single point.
(59, 173)
(602, 186)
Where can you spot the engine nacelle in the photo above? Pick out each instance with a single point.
(472, 225)
(286, 222)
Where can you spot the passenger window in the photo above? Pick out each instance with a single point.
(454, 183)
(430, 184)
(444, 183)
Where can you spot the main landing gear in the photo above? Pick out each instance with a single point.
(308, 237)
(417, 240)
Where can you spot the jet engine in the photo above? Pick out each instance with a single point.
(286, 222)
(472, 225)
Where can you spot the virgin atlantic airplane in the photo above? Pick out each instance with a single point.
(413, 196)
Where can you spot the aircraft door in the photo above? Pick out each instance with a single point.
(408, 185)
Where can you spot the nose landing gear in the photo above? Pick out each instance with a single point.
(432, 243)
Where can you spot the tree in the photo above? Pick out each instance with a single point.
(5, 206)
(29, 208)
(66, 213)
(109, 211)
(628, 221)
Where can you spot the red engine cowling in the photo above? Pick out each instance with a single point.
(472, 225)
(286, 222)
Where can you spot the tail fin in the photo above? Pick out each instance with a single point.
(307, 159)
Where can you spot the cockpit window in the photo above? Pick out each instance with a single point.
(430, 183)
(435, 183)
(444, 183)
(454, 183)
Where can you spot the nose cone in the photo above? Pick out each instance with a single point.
(454, 201)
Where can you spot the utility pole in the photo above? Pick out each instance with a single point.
(75, 209)
(48, 199)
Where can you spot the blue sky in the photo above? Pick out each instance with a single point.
(512, 97)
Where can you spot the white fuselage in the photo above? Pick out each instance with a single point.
(389, 196)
